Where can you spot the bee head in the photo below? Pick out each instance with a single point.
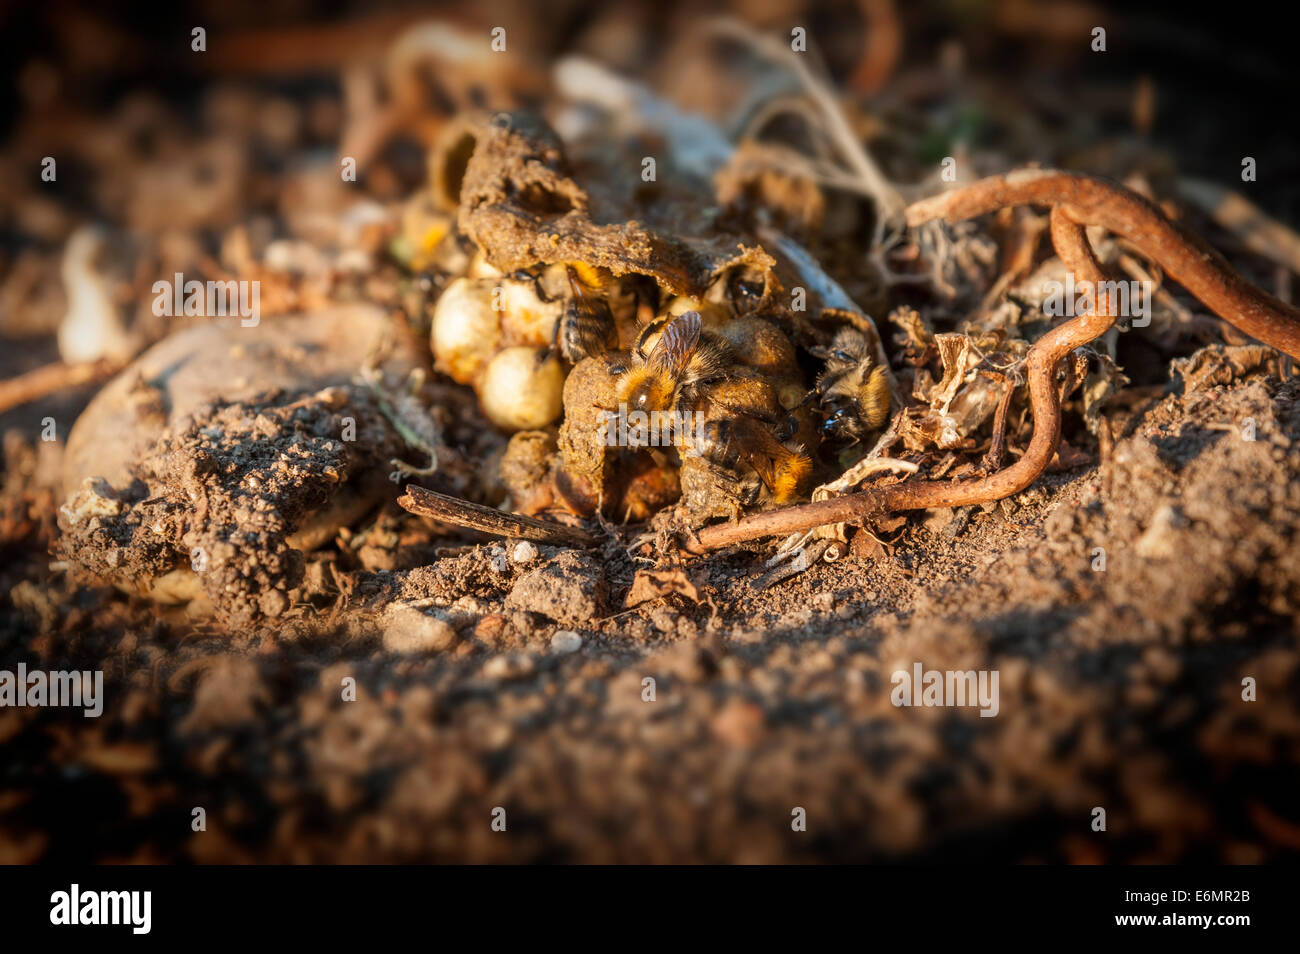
(644, 390)
(850, 348)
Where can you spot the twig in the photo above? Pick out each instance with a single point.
(801, 560)
(462, 513)
(1076, 201)
(51, 378)
(998, 445)
(860, 472)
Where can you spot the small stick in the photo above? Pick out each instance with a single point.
(45, 381)
(462, 513)
(998, 445)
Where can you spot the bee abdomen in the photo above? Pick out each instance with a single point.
(586, 329)
(874, 399)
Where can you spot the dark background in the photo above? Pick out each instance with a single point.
(1225, 74)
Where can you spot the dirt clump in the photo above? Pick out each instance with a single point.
(222, 496)
(570, 589)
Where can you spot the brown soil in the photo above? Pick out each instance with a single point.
(332, 679)
(1120, 689)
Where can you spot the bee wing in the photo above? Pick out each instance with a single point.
(672, 352)
(780, 469)
(764, 466)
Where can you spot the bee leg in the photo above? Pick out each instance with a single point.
(546, 354)
(539, 291)
(556, 333)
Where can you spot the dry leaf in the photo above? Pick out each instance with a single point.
(650, 585)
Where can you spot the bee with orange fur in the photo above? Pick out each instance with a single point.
(692, 371)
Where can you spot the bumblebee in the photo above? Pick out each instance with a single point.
(669, 373)
(690, 371)
(853, 391)
(731, 439)
(586, 328)
(585, 325)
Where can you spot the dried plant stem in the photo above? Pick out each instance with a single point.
(1183, 256)
(862, 168)
(46, 380)
(998, 444)
(462, 513)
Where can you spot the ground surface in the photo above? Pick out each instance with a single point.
(1119, 689)
(390, 691)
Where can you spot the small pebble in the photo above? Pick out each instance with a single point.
(525, 552)
(566, 641)
(408, 630)
(490, 629)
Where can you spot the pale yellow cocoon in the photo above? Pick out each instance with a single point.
(479, 267)
(527, 319)
(712, 315)
(466, 329)
(521, 389)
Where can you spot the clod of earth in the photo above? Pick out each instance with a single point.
(207, 468)
(571, 590)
